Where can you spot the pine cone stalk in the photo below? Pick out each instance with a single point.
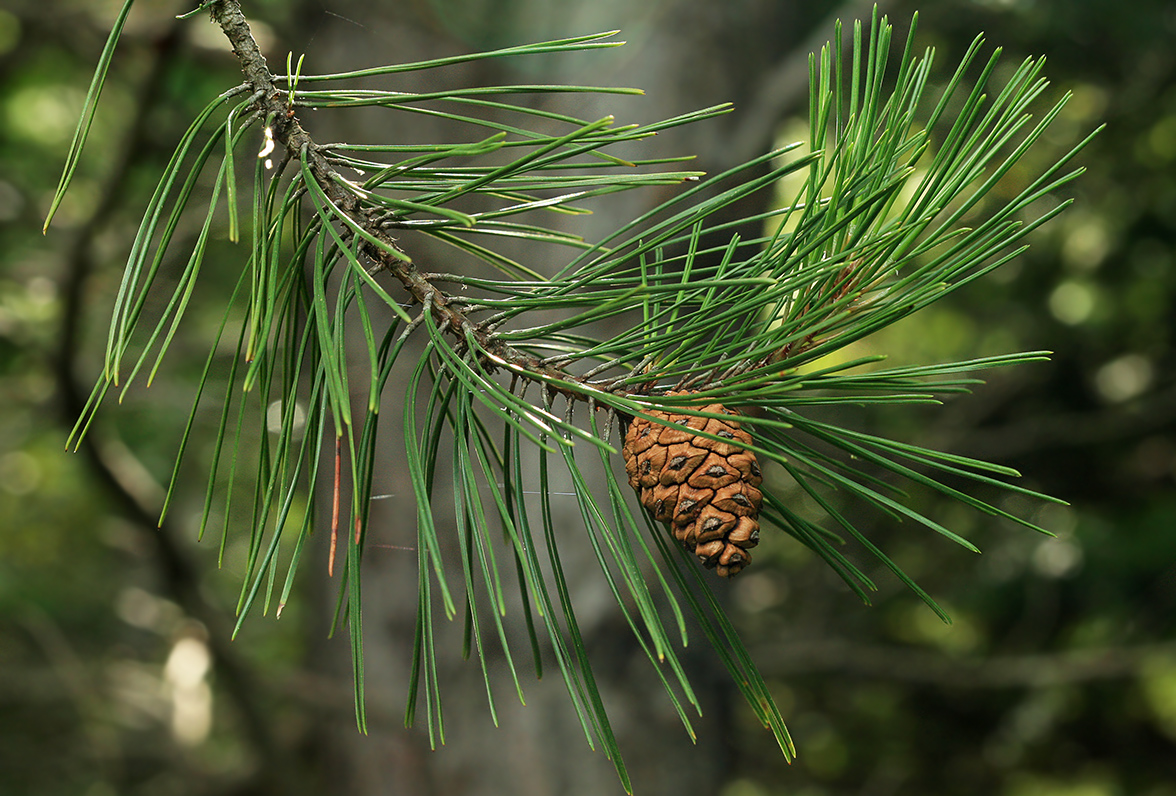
(704, 490)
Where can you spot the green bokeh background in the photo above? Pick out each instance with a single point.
(1058, 676)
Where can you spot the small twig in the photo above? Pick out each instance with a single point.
(449, 312)
(888, 662)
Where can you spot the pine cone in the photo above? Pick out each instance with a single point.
(704, 490)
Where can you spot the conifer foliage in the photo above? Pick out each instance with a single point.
(722, 351)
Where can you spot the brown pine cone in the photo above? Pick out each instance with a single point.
(705, 490)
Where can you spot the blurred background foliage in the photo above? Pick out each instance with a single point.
(1058, 676)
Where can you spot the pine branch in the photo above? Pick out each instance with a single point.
(273, 105)
(713, 381)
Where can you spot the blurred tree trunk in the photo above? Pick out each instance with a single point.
(686, 54)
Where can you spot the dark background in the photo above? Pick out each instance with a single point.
(1058, 676)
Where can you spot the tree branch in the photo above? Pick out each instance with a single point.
(934, 668)
(272, 103)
